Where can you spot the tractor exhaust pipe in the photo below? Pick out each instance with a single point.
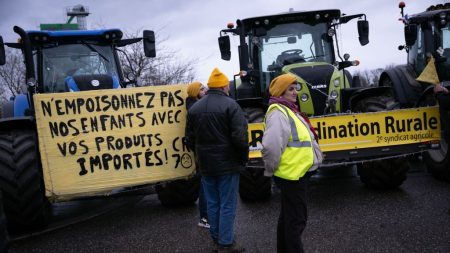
(28, 54)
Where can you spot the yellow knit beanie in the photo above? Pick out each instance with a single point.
(217, 79)
(193, 89)
(279, 85)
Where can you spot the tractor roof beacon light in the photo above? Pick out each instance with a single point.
(401, 5)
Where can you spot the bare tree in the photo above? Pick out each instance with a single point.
(166, 68)
(371, 77)
(12, 74)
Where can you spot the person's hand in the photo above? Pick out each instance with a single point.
(440, 89)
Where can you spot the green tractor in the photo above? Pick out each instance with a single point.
(306, 44)
(427, 35)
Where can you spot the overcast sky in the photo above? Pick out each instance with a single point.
(192, 26)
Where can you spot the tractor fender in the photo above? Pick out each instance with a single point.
(25, 122)
(402, 78)
(368, 92)
(21, 105)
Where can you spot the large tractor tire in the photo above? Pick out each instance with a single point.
(3, 232)
(179, 192)
(21, 180)
(382, 174)
(253, 185)
(438, 161)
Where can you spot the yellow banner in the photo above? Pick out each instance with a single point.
(96, 141)
(366, 130)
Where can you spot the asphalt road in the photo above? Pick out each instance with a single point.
(344, 216)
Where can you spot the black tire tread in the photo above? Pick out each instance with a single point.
(254, 186)
(382, 174)
(21, 180)
(3, 231)
(179, 192)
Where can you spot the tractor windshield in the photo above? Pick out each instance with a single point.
(438, 39)
(75, 59)
(291, 43)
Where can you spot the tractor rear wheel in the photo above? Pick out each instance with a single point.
(21, 180)
(179, 192)
(253, 185)
(383, 174)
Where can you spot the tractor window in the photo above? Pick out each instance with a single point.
(291, 43)
(416, 55)
(444, 67)
(75, 59)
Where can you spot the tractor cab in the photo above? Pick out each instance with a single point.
(301, 43)
(428, 34)
(70, 61)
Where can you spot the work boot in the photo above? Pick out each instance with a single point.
(233, 248)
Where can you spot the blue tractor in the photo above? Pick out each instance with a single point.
(55, 61)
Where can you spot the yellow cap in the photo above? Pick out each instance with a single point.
(217, 79)
(280, 84)
(193, 89)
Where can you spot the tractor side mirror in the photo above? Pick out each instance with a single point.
(363, 32)
(224, 46)
(2, 52)
(410, 34)
(149, 43)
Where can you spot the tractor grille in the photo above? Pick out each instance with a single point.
(317, 76)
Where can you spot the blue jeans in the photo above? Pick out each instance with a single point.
(221, 199)
(202, 203)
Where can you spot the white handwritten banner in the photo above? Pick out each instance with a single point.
(92, 142)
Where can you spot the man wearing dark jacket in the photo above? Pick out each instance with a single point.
(217, 130)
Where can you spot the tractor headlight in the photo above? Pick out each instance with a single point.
(333, 94)
(304, 97)
(336, 83)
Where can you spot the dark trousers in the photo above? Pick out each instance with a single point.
(293, 214)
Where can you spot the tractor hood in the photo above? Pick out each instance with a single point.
(318, 81)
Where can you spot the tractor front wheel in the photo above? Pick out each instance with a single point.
(383, 174)
(179, 192)
(253, 185)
